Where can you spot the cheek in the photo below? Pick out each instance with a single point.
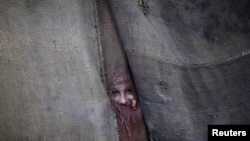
(115, 98)
(130, 97)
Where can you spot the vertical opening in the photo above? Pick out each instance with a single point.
(121, 89)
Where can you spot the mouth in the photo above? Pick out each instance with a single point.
(126, 104)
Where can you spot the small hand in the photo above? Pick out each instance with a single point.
(133, 104)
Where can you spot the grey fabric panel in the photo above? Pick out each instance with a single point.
(178, 102)
(50, 80)
(190, 62)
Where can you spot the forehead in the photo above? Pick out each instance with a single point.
(121, 86)
(121, 80)
(120, 75)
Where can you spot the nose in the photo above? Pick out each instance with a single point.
(123, 100)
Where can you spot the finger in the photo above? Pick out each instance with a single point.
(133, 104)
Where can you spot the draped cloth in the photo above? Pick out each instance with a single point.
(130, 122)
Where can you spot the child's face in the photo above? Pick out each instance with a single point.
(123, 93)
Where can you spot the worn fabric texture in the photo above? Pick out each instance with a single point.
(189, 59)
(50, 82)
(190, 62)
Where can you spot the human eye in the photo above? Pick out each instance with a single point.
(114, 92)
(129, 90)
